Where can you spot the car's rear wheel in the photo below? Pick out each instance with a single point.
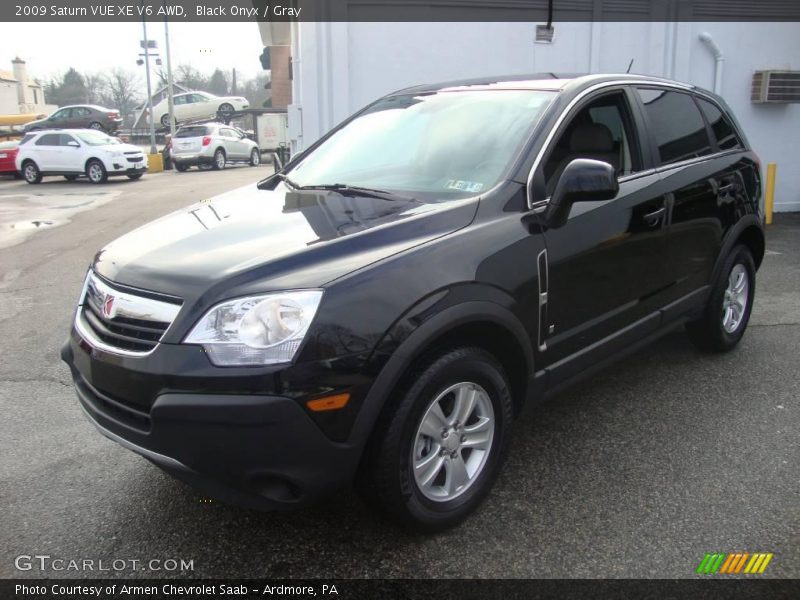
(70, 177)
(181, 167)
(96, 126)
(255, 158)
(31, 172)
(435, 454)
(728, 309)
(219, 159)
(96, 172)
(164, 120)
(135, 176)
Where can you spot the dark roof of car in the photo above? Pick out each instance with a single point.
(534, 81)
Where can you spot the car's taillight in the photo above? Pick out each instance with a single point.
(113, 114)
(206, 140)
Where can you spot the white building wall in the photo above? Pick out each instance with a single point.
(9, 104)
(340, 67)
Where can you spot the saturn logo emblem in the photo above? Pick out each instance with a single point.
(108, 306)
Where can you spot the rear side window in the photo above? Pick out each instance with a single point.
(727, 139)
(676, 124)
(49, 139)
(187, 132)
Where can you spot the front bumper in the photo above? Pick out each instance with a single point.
(252, 449)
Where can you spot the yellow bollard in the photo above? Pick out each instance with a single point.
(769, 193)
(155, 163)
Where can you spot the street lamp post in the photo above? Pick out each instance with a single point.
(153, 148)
(170, 91)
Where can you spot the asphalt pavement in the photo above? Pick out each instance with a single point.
(637, 472)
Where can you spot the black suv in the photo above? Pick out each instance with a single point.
(380, 310)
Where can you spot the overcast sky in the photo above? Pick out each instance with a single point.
(51, 48)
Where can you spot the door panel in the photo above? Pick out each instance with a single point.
(71, 157)
(607, 266)
(710, 197)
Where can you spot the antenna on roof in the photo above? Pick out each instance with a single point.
(629, 66)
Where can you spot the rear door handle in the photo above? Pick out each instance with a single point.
(654, 217)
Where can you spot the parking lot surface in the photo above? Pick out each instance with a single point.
(637, 472)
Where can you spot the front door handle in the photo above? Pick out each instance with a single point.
(654, 217)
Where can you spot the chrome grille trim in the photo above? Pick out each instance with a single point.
(131, 320)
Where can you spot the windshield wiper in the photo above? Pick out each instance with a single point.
(344, 188)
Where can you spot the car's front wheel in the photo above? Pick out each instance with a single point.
(727, 313)
(226, 109)
(181, 167)
(435, 455)
(96, 172)
(255, 158)
(31, 172)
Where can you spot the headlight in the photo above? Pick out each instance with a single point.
(259, 330)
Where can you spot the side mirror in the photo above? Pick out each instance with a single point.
(583, 180)
(73, 144)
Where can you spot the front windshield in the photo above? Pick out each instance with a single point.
(446, 144)
(95, 138)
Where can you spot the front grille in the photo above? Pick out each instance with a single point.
(133, 152)
(135, 159)
(120, 321)
(128, 334)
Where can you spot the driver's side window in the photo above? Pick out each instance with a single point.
(601, 130)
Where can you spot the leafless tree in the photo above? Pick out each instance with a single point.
(122, 92)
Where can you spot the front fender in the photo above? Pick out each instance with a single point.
(420, 327)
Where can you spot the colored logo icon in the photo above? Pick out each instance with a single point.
(735, 563)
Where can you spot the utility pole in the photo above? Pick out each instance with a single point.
(170, 92)
(153, 149)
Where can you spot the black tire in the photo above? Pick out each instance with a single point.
(386, 479)
(135, 176)
(219, 159)
(255, 158)
(70, 177)
(96, 172)
(708, 333)
(97, 126)
(225, 109)
(165, 120)
(31, 172)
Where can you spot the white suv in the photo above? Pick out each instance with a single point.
(76, 152)
(212, 144)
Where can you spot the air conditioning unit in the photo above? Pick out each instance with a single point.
(775, 87)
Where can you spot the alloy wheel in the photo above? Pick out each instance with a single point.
(31, 172)
(95, 173)
(453, 441)
(735, 299)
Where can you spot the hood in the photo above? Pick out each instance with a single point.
(252, 240)
(30, 124)
(121, 148)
